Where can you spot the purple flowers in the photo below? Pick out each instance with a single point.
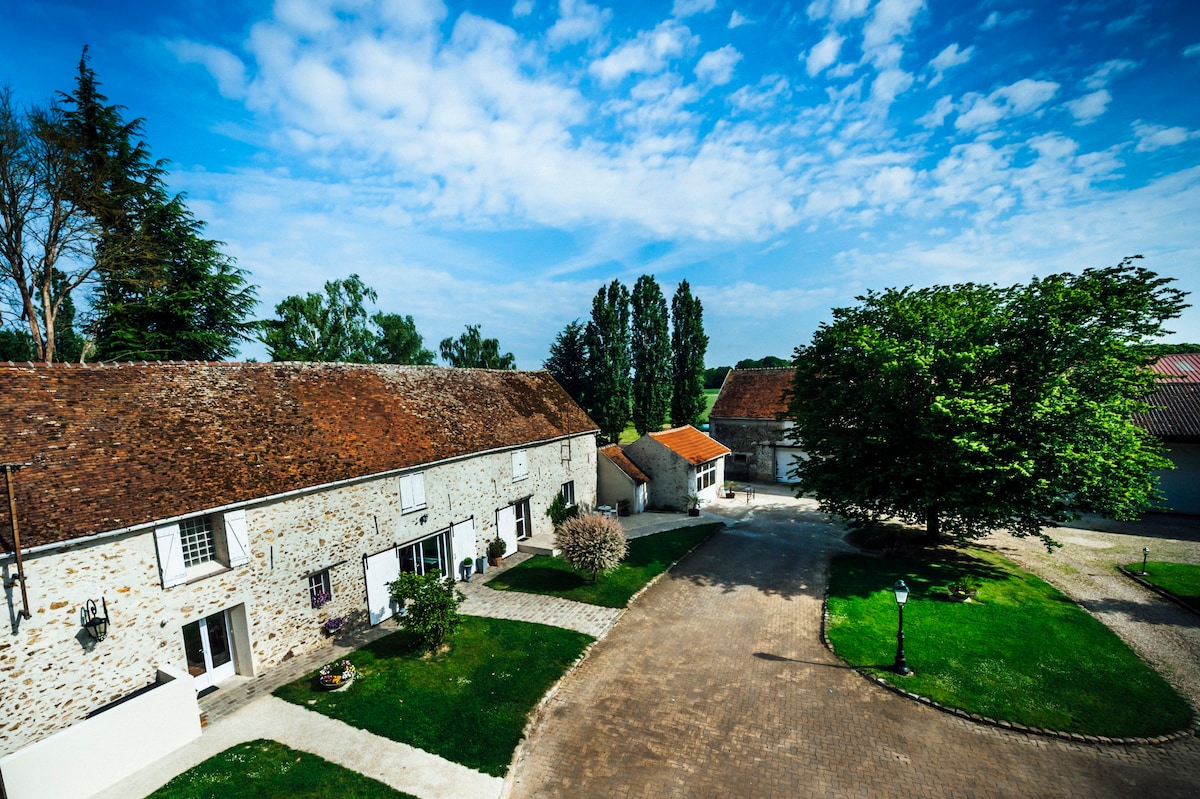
(333, 625)
(320, 598)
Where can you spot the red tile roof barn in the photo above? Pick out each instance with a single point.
(122, 445)
(753, 394)
(1181, 367)
(1179, 414)
(690, 444)
(617, 455)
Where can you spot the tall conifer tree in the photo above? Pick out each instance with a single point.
(688, 346)
(607, 343)
(650, 353)
(568, 362)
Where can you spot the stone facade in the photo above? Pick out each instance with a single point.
(673, 476)
(753, 443)
(54, 674)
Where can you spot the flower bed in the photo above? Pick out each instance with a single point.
(338, 674)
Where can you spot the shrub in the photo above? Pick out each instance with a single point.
(497, 547)
(430, 606)
(592, 543)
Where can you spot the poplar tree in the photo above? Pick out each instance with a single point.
(688, 346)
(650, 354)
(607, 343)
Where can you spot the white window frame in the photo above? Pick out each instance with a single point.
(520, 465)
(198, 542)
(706, 475)
(216, 554)
(320, 581)
(412, 492)
(567, 492)
(412, 554)
(523, 520)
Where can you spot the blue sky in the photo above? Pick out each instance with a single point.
(494, 163)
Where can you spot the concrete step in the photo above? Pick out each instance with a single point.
(539, 545)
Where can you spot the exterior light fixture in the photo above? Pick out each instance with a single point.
(95, 624)
(1145, 554)
(901, 665)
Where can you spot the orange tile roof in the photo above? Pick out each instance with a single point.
(753, 394)
(617, 455)
(690, 444)
(121, 445)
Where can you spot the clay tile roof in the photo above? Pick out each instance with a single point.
(617, 455)
(753, 394)
(1179, 416)
(1178, 368)
(690, 444)
(113, 446)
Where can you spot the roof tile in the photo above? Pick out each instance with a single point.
(617, 455)
(753, 394)
(690, 444)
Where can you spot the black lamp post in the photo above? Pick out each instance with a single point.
(901, 665)
(95, 624)
(1145, 554)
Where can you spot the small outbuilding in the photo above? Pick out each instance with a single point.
(1176, 422)
(620, 483)
(748, 417)
(680, 462)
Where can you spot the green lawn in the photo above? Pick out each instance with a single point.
(710, 397)
(1181, 580)
(468, 705)
(648, 557)
(1023, 652)
(266, 770)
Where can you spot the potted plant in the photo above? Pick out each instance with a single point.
(693, 505)
(496, 550)
(623, 507)
(729, 487)
(336, 675)
(334, 625)
(964, 588)
(465, 567)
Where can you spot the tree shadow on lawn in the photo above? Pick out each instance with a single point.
(1157, 611)
(928, 575)
(540, 579)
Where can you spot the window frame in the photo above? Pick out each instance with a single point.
(416, 562)
(320, 581)
(520, 465)
(706, 475)
(567, 492)
(198, 541)
(416, 492)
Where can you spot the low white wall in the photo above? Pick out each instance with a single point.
(88, 757)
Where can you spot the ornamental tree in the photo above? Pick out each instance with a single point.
(971, 408)
(430, 606)
(592, 543)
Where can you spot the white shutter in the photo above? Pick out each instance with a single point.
(381, 570)
(418, 490)
(463, 536)
(237, 538)
(506, 527)
(520, 464)
(170, 555)
(412, 491)
(406, 493)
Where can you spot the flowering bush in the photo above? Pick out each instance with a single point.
(333, 625)
(592, 543)
(321, 598)
(334, 674)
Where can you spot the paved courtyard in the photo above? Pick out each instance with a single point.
(715, 684)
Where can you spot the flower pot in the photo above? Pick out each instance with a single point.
(465, 571)
(495, 560)
(481, 565)
(693, 511)
(728, 495)
(341, 686)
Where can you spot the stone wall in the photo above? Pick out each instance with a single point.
(53, 674)
(755, 439)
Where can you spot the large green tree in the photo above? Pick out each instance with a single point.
(607, 342)
(399, 341)
(650, 355)
(688, 347)
(568, 361)
(971, 408)
(472, 351)
(324, 327)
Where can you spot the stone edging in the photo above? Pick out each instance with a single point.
(1137, 578)
(535, 715)
(1011, 726)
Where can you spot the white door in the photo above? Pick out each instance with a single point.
(462, 536)
(506, 525)
(208, 647)
(785, 459)
(380, 570)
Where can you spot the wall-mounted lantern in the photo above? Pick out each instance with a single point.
(95, 624)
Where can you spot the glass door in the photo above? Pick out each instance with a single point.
(209, 650)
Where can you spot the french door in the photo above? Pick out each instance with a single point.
(209, 650)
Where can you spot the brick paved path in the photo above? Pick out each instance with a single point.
(715, 684)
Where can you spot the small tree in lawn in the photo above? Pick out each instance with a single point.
(592, 543)
(431, 606)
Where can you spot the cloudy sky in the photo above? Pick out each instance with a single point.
(494, 163)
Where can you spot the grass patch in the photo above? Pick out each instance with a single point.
(629, 435)
(1180, 580)
(468, 705)
(1023, 652)
(265, 769)
(649, 556)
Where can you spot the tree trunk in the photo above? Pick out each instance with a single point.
(933, 525)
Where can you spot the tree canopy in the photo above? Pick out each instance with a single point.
(971, 408)
(650, 355)
(568, 361)
(329, 327)
(688, 345)
(471, 350)
(607, 341)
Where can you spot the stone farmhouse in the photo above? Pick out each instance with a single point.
(1176, 421)
(747, 417)
(219, 514)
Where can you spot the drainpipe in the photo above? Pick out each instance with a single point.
(9, 468)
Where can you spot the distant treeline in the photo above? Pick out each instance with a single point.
(714, 377)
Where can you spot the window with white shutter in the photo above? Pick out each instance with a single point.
(170, 555)
(412, 492)
(236, 538)
(520, 465)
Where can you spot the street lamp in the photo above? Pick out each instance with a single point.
(1145, 554)
(901, 665)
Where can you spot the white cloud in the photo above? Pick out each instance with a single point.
(948, 59)
(891, 20)
(688, 8)
(823, 53)
(1022, 97)
(997, 20)
(716, 66)
(226, 68)
(522, 8)
(578, 21)
(1192, 51)
(1027, 95)
(1155, 137)
(1090, 107)
(765, 95)
(889, 84)
(937, 115)
(1103, 74)
(737, 20)
(649, 53)
(837, 10)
